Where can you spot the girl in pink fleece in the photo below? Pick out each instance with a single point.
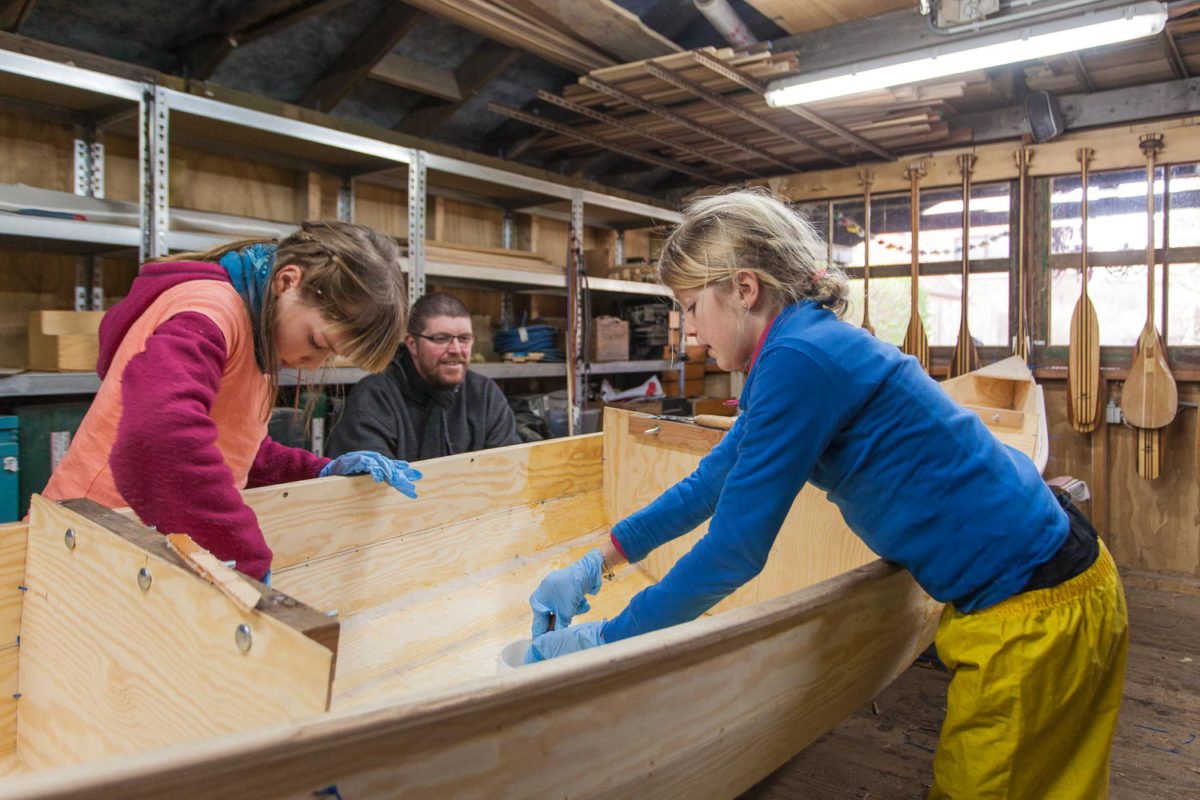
(190, 368)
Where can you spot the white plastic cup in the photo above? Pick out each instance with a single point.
(512, 655)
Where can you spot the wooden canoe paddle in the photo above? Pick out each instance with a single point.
(867, 177)
(1150, 399)
(915, 342)
(966, 355)
(1083, 356)
(1021, 343)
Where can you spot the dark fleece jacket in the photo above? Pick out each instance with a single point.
(387, 413)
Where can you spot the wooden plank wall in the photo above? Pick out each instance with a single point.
(1148, 525)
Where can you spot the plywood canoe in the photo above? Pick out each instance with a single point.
(372, 663)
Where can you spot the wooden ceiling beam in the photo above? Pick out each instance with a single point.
(200, 56)
(603, 23)
(417, 76)
(1173, 54)
(620, 124)
(631, 152)
(490, 20)
(746, 81)
(483, 66)
(13, 13)
(730, 107)
(671, 116)
(376, 41)
(1081, 72)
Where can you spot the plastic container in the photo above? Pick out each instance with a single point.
(512, 655)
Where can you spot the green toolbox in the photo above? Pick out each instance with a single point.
(10, 464)
(46, 430)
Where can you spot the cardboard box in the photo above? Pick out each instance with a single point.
(717, 384)
(597, 262)
(690, 388)
(64, 340)
(717, 406)
(608, 339)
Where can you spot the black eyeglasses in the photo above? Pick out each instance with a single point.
(444, 339)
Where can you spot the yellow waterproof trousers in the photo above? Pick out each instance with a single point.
(1032, 707)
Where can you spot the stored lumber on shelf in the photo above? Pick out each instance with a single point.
(601, 22)
(64, 340)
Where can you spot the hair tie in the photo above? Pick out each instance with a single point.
(818, 275)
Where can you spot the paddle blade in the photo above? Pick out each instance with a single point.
(1149, 398)
(1083, 368)
(1149, 453)
(915, 342)
(966, 355)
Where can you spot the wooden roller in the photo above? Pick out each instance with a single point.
(966, 355)
(867, 177)
(915, 342)
(1149, 399)
(1083, 356)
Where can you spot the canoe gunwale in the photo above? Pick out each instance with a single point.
(244, 757)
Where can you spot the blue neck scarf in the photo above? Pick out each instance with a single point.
(250, 271)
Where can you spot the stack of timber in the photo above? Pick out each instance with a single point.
(180, 691)
(705, 110)
(1118, 66)
(499, 257)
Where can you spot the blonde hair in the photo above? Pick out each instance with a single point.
(350, 274)
(750, 229)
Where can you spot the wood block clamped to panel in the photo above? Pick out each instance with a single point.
(64, 340)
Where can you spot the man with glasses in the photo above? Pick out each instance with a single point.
(427, 403)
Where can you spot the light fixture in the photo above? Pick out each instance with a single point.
(1092, 29)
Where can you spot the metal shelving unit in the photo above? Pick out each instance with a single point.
(163, 115)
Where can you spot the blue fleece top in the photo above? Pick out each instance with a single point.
(917, 477)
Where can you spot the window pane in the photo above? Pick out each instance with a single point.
(817, 213)
(1118, 295)
(1183, 305)
(1116, 211)
(941, 300)
(848, 232)
(941, 223)
(1185, 205)
(889, 307)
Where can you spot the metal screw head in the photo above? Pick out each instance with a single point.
(144, 579)
(69, 538)
(243, 637)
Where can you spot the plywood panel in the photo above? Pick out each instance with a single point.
(1155, 525)
(210, 182)
(703, 709)
(37, 153)
(13, 536)
(813, 543)
(796, 17)
(549, 237)
(107, 669)
(1149, 525)
(469, 224)
(305, 520)
(121, 177)
(381, 208)
(8, 698)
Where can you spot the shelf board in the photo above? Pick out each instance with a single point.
(627, 287)
(494, 275)
(615, 367)
(29, 384)
(534, 369)
(91, 236)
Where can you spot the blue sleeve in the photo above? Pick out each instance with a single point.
(682, 507)
(792, 415)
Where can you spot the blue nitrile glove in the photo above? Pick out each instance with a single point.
(398, 474)
(562, 592)
(567, 640)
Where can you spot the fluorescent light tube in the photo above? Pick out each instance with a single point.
(1093, 29)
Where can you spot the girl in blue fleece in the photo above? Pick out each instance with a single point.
(1034, 629)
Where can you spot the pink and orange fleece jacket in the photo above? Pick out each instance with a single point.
(179, 425)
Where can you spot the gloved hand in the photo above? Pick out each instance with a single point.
(567, 640)
(562, 592)
(398, 474)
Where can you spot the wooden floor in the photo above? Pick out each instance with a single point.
(885, 750)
